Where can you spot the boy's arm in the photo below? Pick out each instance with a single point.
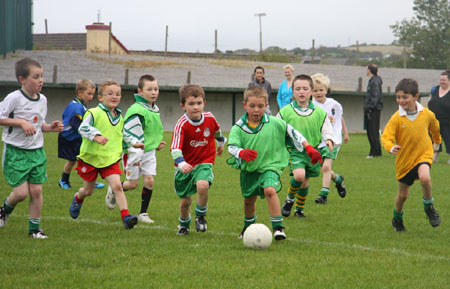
(76, 121)
(55, 126)
(87, 129)
(388, 137)
(176, 150)
(328, 133)
(133, 131)
(344, 130)
(297, 139)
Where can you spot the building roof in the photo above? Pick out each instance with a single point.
(60, 41)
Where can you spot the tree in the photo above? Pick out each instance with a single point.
(427, 34)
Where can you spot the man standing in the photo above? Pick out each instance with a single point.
(373, 104)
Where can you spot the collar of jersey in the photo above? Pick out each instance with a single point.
(402, 112)
(194, 123)
(80, 101)
(243, 123)
(29, 98)
(117, 109)
(142, 101)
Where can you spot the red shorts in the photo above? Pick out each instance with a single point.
(89, 173)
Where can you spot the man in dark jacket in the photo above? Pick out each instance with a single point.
(373, 104)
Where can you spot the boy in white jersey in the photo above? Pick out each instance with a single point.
(142, 126)
(194, 151)
(335, 115)
(22, 113)
(258, 147)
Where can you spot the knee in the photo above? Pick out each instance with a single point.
(299, 177)
(133, 184)
(148, 183)
(326, 169)
(21, 196)
(425, 179)
(270, 193)
(185, 204)
(202, 186)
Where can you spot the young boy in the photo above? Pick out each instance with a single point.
(335, 115)
(23, 113)
(194, 151)
(142, 129)
(407, 136)
(69, 140)
(101, 150)
(312, 122)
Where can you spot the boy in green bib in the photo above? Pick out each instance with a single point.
(313, 123)
(101, 150)
(257, 143)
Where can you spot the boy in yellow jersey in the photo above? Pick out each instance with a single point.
(407, 136)
(101, 150)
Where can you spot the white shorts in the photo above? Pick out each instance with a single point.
(138, 163)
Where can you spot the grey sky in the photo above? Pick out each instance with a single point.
(140, 24)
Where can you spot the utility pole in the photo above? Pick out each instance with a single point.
(260, 30)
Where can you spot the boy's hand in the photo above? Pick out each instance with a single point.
(330, 145)
(161, 145)
(248, 155)
(313, 154)
(331, 118)
(100, 139)
(220, 150)
(346, 138)
(28, 128)
(395, 149)
(187, 168)
(139, 145)
(57, 126)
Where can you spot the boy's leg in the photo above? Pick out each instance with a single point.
(425, 181)
(116, 186)
(275, 213)
(78, 198)
(295, 184)
(201, 206)
(300, 199)
(326, 180)
(18, 194)
(403, 194)
(146, 196)
(64, 182)
(34, 221)
(249, 213)
(185, 217)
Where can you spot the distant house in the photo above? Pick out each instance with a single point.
(96, 39)
(308, 60)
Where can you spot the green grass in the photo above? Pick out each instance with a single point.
(348, 243)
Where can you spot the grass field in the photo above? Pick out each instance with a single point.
(348, 243)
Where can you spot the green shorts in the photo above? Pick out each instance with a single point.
(20, 165)
(185, 184)
(253, 184)
(300, 160)
(325, 152)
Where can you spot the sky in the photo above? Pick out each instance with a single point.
(141, 24)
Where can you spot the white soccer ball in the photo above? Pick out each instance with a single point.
(258, 237)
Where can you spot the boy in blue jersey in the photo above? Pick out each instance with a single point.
(69, 140)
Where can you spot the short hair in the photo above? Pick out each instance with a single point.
(255, 91)
(258, 67)
(320, 78)
(447, 72)
(84, 84)
(288, 66)
(373, 68)
(303, 77)
(144, 78)
(105, 84)
(408, 86)
(190, 90)
(22, 67)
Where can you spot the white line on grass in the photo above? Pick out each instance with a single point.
(306, 241)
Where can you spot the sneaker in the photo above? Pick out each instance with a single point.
(321, 200)
(287, 206)
(144, 218)
(342, 191)
(398, 225)
(64, 185)
(182, 231)
(99, 185)
(278, 233)
(75, 208)
(201, 224)
(110, 199)
(369, 157)
(433, 216)
(37, 234)
(129, 221)
(241, 235)
(3, 217)
(299, 214)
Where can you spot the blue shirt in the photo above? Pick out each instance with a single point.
(284, 94)
(72, 118)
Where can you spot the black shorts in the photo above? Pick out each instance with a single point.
(412, 175)
(68, 149)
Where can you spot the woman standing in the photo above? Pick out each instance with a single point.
(284, 95)
(440, 105)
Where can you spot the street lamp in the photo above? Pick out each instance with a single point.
(260, 30)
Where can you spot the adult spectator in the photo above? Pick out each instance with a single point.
(373, 104)
(259, 80)
(284, 96)
(440, 104)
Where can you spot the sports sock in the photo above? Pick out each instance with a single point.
(324, 191)
(276, 221)
(427, 203)
(200, 211)
(301, 199)
(293, 188)
(398, 216)
(146, 197)
(124, 213)
(65, 177)
(184, 222)
(8, 207)
(249, 220)
(79, 201)
(337, 179)
(33, 224)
